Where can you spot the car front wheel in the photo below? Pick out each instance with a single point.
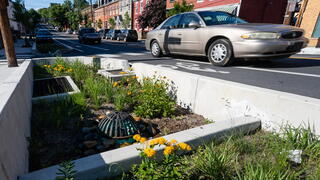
(155, 49)
(220, 53)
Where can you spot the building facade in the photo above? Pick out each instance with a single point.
(310, 21)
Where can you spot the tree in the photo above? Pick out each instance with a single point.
(180, 8)
(57, 14)
(153, 14)
(112, 23)
(126, 21)
(35, 18)
(21, 15)
(44, 13)
(99, 24)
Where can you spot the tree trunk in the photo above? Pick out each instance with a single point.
(7, 35)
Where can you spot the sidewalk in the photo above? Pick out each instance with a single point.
(21, 52)
(310, 51)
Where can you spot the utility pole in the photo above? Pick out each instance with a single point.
(6, 34)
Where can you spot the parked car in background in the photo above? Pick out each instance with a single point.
(128, 35)
(103, 33)
(89, 35)
(222, 37)
(69, 31)
(43, 36)
(113, 34)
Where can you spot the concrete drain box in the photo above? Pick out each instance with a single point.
(53, 88)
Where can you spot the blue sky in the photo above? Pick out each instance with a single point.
(37, 4)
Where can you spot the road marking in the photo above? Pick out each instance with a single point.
(69, 47)
(281, 72)
(192, 67)
(313, 58)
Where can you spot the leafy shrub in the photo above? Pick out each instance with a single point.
(66, 171)
(155, 98)
(125, 92)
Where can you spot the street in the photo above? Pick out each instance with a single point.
(298, 75)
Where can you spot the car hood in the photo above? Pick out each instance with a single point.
(261, 27)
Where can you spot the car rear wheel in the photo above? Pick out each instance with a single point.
(155, 49)
(220, 53)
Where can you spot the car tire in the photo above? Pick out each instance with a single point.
(220, 53)
(155, 49)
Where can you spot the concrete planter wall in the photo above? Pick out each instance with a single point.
(15, 113)
(219, 99)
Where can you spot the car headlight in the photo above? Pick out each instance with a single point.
(261, 35)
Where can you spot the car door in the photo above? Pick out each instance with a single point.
(168, 34)
(190, 36)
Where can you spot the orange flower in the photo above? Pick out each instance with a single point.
(172, 142)
(184, 146)
(129, 93)
(115, 84)
(137, 137)
(162, 140)
(168, 150)
(149, 152)
(143, 139)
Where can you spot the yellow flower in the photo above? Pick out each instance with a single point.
(48, 66)
(162, 140)
(143, 139)
(45, 65)
(129, 93)
(128, 79)
(172, 142)
(69, 70)
(115, 84)
(168, 150)
(149, 152)
(184, 146)
(135, 77)
(137, 137)
(122, 72)
(154, 142)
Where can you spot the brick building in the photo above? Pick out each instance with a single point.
(309, 20)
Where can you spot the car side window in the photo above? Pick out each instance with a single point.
(172, 22)
(187, 19)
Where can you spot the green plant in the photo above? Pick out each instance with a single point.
(66, 171)
(94, 88)
(155, 98)
(152, 169)
(180, 8)
(215, 162)
(260, 172)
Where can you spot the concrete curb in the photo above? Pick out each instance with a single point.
(310, 51)
(111, 163)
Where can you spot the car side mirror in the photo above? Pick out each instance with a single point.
(194, 24)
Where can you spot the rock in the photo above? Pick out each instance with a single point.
(108, 142)
(88, 129)
(136, 118)
(91, 136)
(102, 116)
(101, 148)
(152, 130)
(90, 144)
(90, 152)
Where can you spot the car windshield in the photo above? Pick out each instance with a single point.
(88, 30)
(218, 18)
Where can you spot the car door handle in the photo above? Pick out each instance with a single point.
(179, 34)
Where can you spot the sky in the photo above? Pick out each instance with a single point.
(37, 4)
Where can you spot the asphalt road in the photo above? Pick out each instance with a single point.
(299, 75)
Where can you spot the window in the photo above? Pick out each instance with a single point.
(217, 18)
(141, 6)
(172, 22)
(187, 19)
(136, 7)
(316, 31)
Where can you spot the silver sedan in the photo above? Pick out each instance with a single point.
(222, 37)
